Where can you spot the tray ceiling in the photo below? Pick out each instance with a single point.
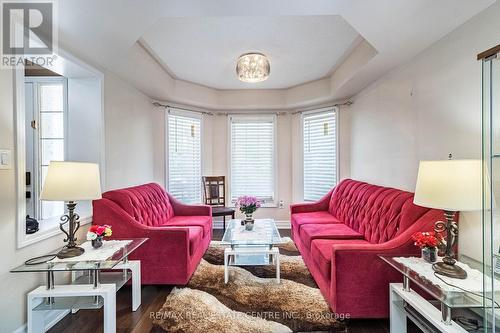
(204, 50)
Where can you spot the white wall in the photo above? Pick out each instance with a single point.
(424, 110)
(84, 119)
(85, 138)
(135, 141)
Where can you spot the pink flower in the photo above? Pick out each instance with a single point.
(248, 204)
(100, 230)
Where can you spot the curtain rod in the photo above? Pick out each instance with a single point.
(347, 103)
(225, 113)
(243, 112)
(166, 106)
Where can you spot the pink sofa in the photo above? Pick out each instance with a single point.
(178, 234)
(341, 235)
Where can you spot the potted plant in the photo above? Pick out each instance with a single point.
(248, 205)
(428, 244)
(96, 233)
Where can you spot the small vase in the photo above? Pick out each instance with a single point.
(429, 254)
(249, 225)
(249, 222)
(97, 243)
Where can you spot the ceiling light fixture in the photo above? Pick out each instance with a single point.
(253, 67)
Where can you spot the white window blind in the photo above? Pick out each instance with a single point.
(320, 153)
(253, 157)
(184, 156)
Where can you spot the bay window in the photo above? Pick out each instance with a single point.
(320, 152)
(252, 141)
(184, 155)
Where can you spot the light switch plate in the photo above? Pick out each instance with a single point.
(5, 159)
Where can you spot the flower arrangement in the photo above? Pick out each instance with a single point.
(248, 204)
(96, 234)
(425, 239)
(428, 243)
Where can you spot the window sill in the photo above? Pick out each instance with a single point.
(267, 205)
(48, 228)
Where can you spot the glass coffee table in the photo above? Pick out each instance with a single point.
(96, 276)
(251, 247)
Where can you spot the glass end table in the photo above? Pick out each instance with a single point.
(90, 287)
(445, 293)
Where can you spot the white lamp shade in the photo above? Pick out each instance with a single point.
(71, 181)
(453, 185)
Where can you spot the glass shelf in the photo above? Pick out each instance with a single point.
(117, 278)
(77, 302)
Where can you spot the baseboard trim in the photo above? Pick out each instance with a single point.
(51, 318)
(281, 224)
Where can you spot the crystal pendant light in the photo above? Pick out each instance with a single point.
(253, 67)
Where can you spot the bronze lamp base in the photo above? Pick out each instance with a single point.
(71, 249)
(70, 252)
(447, 267)
(452, 271)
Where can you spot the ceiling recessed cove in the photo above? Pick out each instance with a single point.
(204, 50)
(253, 67)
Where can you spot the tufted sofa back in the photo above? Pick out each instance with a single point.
(148, 204)
(379, 213)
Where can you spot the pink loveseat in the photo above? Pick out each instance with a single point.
(178, 234)
(341, 235)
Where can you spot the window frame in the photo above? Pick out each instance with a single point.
(189, 114)
(255, 116)
(38, 82)
(335, 109)
(51, 228)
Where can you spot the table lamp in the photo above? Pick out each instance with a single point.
(71, 182)
(450, 185)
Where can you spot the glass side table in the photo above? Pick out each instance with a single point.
(448, 298)
(96, 276)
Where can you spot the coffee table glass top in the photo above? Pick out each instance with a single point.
(86, 262)
(264, 232)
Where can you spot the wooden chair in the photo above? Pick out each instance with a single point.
(215, 196)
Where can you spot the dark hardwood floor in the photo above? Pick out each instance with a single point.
(90, 321)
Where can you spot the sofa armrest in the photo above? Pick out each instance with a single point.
(166, 246)
(182, 209)
(353, 263)
(308, 207)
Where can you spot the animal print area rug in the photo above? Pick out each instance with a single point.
(252, 301)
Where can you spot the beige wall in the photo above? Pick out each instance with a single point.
(424, 110)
